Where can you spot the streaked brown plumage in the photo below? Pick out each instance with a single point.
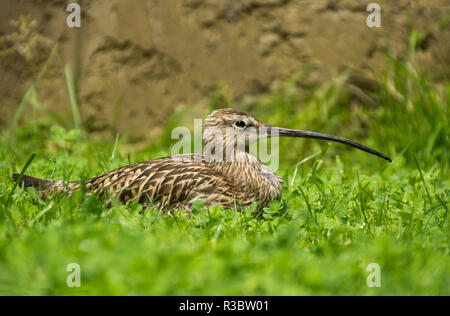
(233, 179)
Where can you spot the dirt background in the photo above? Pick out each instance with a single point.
(135, 62)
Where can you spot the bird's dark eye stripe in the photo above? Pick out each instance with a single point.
(240, 124)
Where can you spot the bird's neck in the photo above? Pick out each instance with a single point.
(249, 173)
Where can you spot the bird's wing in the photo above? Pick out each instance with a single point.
(165, 181)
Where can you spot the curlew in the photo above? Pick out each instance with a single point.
(232, 178)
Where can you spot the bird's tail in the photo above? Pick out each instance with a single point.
(27, 182)
(45, 187)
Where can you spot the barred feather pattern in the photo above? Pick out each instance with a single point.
(177, 182)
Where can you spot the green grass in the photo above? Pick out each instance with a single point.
(340, 210)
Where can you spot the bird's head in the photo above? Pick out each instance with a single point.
(236, 130)
(231, 127)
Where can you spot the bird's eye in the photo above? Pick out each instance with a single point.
(240, 124)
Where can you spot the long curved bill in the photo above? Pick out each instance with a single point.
(273, 131)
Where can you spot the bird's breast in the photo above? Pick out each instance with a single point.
(256, 180)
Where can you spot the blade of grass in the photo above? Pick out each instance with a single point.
(423, 180)
(26, 97)
(321, 153)
(115, 147)
(308, 206)
(361, 202)
(22, 105)
(73, 96)
(19, 178)
(34, 101)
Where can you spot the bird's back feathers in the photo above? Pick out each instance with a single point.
(174, 183)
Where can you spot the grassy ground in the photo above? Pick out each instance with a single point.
(340, 210)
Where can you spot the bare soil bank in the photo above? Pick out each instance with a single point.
(137, 61)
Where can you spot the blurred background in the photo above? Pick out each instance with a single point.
(136, 62)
